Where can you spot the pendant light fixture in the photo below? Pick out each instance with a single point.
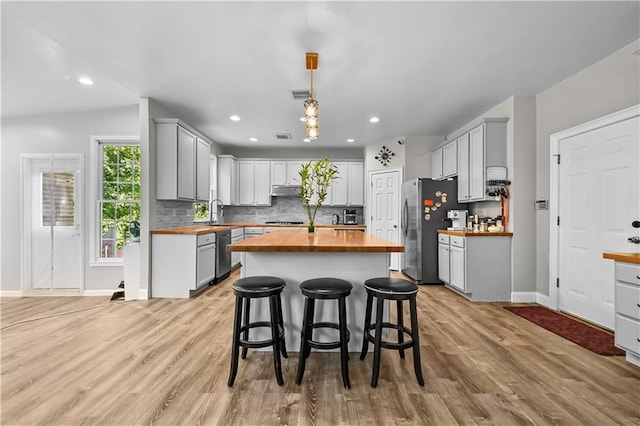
(311, 105)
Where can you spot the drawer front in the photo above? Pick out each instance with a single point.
(457, 241)
(628, 300)
(628, 334)
(443, 238)
(628, 272)
(206, 239)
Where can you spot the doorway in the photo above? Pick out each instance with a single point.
(52, 224)
(384, 204)
(597, 199)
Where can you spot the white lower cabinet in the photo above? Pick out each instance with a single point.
(627, 302)
(457, 262)
(182, 265)
(478, 267)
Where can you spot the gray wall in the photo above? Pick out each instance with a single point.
(607, 86)
(56, 133)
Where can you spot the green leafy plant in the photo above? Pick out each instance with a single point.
(315, 179)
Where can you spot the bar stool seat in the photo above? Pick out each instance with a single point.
(324, 289)
(246, 289)
(386, 288)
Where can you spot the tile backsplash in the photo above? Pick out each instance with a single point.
(171, 213)
(180, 213)
(283, 209)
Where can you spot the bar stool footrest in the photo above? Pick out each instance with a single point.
(327, 345)
(386, 344)
(258, 343)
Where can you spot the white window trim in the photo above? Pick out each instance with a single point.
(213, 183)
(94, 236)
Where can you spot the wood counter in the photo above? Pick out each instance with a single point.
(623, 257)
(323, 240)
(475, 234)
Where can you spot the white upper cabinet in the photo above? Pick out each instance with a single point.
(450, 159)
(253, 183)
(227, 180)
(348, 189)
(484, 146)
(444, 161)
(293, 172)
(356, 183)
(278, 172)
(182, 162)
(436, 164)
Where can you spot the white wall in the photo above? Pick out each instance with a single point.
(609, 85)
(418, 155)
(56, 133)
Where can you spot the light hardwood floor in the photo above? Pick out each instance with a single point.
(166, 362)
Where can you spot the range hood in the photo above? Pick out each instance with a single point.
(285, 190)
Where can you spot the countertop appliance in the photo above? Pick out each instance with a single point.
(425, 203)
(223, 257)
(350, 217)
(335, 219)
(458, 219)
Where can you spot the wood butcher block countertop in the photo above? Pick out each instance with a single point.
(323, 240)
(475, 234)
(623, 257)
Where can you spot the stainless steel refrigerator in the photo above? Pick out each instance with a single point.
(425, 203)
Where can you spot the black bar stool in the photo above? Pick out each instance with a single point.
(324, 288)
(246, 289)
(391, 289)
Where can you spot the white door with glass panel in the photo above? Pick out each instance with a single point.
(599, 198)
(384, 204)
(52, 237)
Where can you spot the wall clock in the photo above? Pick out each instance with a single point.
(384, 156)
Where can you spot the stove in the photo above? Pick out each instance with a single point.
(283, 222)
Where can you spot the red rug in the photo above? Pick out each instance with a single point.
(588, 337)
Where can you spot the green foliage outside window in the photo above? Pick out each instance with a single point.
(201, 211)
(120, 201)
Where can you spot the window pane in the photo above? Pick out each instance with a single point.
(58, 199)
(120, 201)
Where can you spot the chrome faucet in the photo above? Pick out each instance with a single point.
(219, 211)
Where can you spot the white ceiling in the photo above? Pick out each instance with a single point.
(425, 68)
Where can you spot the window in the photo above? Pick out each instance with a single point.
(201, 210)
(117, 195)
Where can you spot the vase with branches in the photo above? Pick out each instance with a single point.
(315, 179)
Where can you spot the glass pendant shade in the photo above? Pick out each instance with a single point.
(310, 108)
(312, 132)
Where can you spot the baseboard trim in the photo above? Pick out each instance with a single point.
(11, 293)
(95, 293)
(523, 297)
(544, 300)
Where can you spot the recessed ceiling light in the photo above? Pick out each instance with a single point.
(253, 139)
(350, 140)
(234, 118)
(306, 140)
(374, 119)
(85, 80)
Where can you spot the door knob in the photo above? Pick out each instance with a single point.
(395, 226)
(634, 240)
(636, 223)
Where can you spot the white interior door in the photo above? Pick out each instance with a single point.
(599, 198)
(52, 241)
(384, 204)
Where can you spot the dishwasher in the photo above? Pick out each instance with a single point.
(223, 257)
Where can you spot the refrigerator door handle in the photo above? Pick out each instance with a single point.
(405, 218)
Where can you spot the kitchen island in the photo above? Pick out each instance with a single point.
(296, 256)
